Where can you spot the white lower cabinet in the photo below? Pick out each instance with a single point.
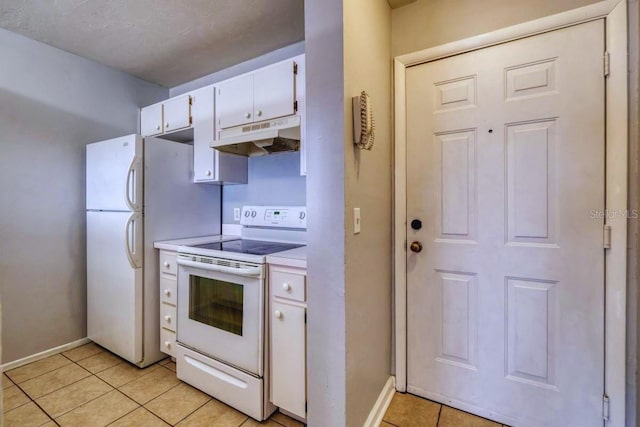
(288, 339)
(168, 299)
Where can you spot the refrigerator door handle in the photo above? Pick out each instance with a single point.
(132, 184)
(132, 240)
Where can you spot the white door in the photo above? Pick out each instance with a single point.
(177, 113)
(114, 282)
(505, 167)
(288, 357)
(234, 102)
(151, 120)
(114, 174)
(274, 91)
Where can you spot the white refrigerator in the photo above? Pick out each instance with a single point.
(137, 191)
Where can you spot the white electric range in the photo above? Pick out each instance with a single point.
(221, 307)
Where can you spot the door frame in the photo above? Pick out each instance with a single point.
(616, 130)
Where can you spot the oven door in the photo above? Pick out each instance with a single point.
(220, 313)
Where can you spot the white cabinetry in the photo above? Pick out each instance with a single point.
(151, 120)
(287, 319)
(189, 118)
(177, 113)
(166, 117)
(168, 300)
(264, 94)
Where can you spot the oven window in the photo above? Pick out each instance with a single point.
(216, 303)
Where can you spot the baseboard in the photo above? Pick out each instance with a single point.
(35, 357)
(382, 404)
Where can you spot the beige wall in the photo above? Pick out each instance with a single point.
(428, 23)
(368, 256)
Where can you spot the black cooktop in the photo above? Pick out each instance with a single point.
(251, 247)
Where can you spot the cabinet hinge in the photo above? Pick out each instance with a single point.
(607, 63)
(295, 106)
(190, 100)
(190, 120)
(306, 408)
(606, 238)
(295, 68)
(605, 407)
(305, 317)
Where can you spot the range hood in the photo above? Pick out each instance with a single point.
(261, 138)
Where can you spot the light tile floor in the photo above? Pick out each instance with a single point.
(407, 410)
(90, 387)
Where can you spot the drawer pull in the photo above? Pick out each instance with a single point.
(278, 314)
(286, 286)
(167, 318)
(166, 264)
(167, 344)
(167, 292)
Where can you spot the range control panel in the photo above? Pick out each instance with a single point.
(274, 216)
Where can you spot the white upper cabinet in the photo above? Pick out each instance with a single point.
(166, 117)
(235, 101)
(177, 113)
(211, 166)
(264, 94)
(151, 120)
(274, 91)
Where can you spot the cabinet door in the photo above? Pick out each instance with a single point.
(234, 101)
(288, 358)
(274, 91)
(177, 113)
(203, 154)
(151, 120)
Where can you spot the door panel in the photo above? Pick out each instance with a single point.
(234, 103)
(114, 174)
(151, 120)
(505, 161)
(114, 286)
(177, 113)
(273, 91)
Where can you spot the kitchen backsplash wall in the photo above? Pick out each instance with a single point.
(273, 180)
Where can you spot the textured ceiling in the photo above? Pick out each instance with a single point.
(167, 42)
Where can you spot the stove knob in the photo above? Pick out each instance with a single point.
(286, 286)
(253, 214)
(278, 314)
(302, 215)
(246, 214)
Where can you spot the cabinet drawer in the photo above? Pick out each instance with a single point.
(168, 317)
(168, 342)
(168, 264)
(168, 290)
(287, 284)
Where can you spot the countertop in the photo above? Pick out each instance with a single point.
(292, 258)
(172, 245)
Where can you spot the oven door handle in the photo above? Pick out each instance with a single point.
(247, 271)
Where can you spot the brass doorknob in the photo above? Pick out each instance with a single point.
(415, 247)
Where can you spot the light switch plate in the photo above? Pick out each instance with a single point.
(356, 220)
(236, 214)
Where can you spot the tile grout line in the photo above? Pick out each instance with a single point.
(88, 401)
(35, 403)
(439, 413)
